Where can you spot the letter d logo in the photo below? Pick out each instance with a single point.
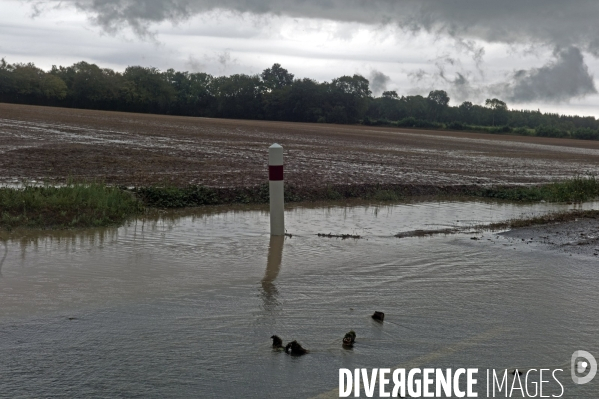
(579, 366)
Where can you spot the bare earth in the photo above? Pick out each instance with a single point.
(50, 144)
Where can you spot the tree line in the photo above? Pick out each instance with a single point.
(275, 94)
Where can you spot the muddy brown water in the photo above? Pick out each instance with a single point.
(183, 305)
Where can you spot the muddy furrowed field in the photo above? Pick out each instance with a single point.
(51, 144)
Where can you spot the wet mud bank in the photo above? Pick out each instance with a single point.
(575, 232)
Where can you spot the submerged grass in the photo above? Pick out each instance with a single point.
(72, 205)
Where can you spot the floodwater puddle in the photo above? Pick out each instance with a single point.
(183, 304)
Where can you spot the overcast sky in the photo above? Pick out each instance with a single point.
(532, 54)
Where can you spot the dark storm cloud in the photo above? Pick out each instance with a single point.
(566, 77)
(551, 22)
(378, 82)
(458, 84)
(113, 15)
(461, 88)
(567, 28)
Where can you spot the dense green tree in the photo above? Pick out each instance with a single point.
(414, 106)
(147, 90)
(497, 107)
(89, 85)
(238, 96)
(53, 87)
(7, 80)
(386, 107)
(193, 92)
(277, 82)
(27, 78)
(276, 77)
(276, 105)
(306, 99)
(348, 95)
(437, 102)
(465, 108)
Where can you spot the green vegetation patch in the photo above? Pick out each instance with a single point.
(95, 204)
(578, 189)
(190, 196)
(73, 205)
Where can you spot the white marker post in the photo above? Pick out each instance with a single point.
(276, 190)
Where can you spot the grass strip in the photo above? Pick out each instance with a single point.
(577, 189)
(69, 206)
(180, 197)
(95, 204)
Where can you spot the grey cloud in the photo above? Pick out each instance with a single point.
(417, 76)
(223, 59)
(40, 7)
(560, 80)
(194, 64)
(550, 22)
(470, 46)
(138, 14)
(456, 83)
(378, 82)
(442, 62)
(571, 27)
(461, 88)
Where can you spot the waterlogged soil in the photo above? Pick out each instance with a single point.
(51, 144)
(183, 304)
(579, 236)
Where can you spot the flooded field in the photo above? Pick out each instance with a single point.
(183, 305)
(51, 144)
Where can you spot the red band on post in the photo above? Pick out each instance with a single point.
(275, 172)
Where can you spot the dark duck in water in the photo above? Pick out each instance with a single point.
(295, 349)
(349, 339)
(277, 342)
(378, 316)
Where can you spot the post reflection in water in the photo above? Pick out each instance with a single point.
(273, 266)
(3, 257)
